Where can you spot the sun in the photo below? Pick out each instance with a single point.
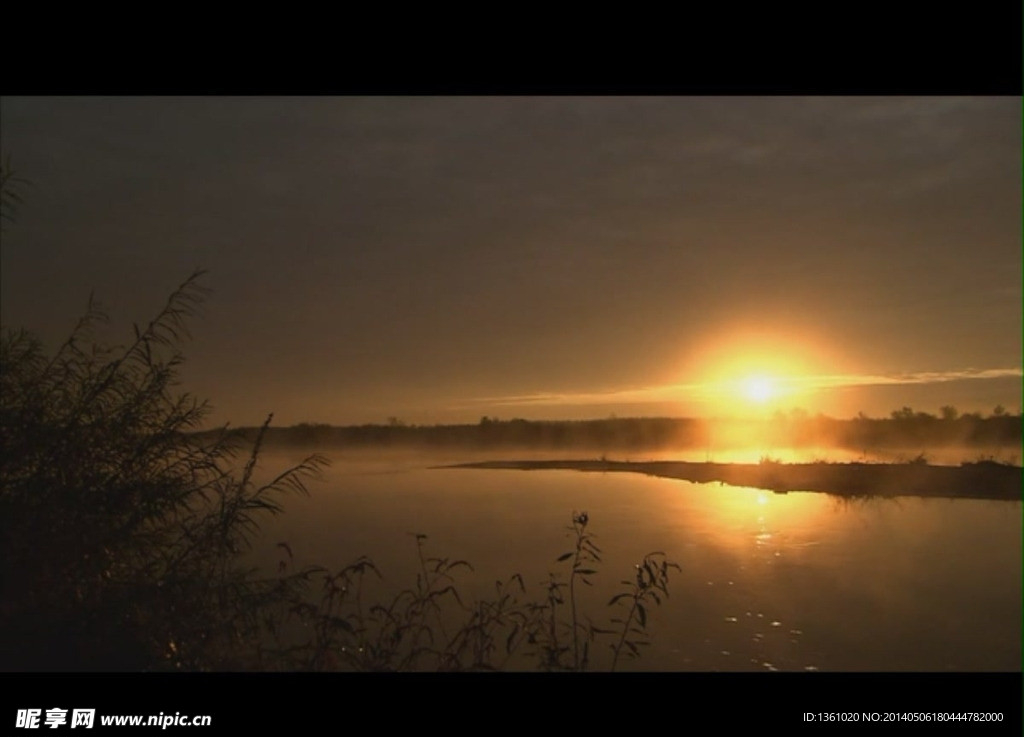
(759, 389)
(752, 372)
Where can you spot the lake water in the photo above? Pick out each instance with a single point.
(798, 581)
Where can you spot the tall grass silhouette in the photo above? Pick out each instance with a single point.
(431, 626)
(121, 533)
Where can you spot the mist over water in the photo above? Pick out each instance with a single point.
(796, 437)
(797, 581)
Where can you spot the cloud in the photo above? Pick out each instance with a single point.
(924, 377)
(669, 392)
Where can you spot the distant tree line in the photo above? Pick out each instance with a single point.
(904, 427)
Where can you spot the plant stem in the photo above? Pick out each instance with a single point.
(625, 631)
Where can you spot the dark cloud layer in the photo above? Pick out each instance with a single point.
(379, 256)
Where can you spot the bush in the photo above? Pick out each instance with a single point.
(120, 533)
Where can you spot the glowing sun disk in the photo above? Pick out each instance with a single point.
(759, 389)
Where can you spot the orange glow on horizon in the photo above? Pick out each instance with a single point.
(754, 371)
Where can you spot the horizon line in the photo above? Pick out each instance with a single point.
(793, 414)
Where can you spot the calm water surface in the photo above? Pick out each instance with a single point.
(797, 581)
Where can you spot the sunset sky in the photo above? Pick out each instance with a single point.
(440, 259)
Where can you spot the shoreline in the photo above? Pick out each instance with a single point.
(981, 480)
